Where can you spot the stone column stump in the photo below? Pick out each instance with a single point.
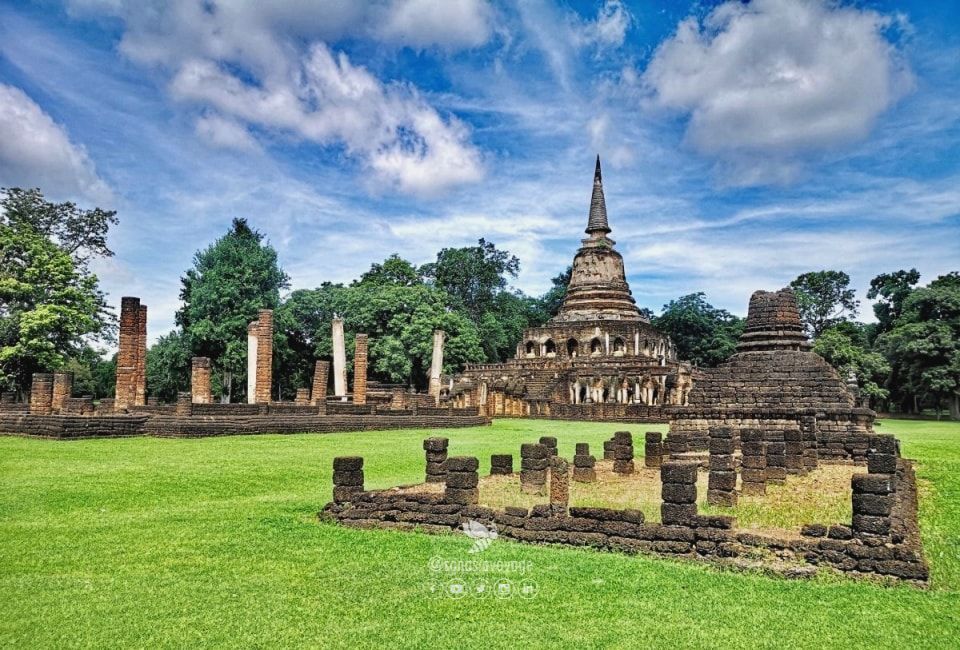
(534, 461)
(583, 464)
(347, 477)
(776, 457)
(559, 485)
(678, 492)
(623, 452)
(501, 464)
(793, 451)
(462, 480)
(653, 449)
(753, 471)
(436, 452)
(722, 484)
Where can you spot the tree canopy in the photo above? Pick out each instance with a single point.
(824, 298)
(701, 333)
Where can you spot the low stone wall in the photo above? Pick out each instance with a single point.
(100, 426)
(882, 540)
(73, 426)
(202, 426)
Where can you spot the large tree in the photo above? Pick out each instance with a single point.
(846, 347)
(924, 343)
(230, 280)
(701, 333)
(472, 275)
(553, 299)
(825, 299)
(168, 366)
(50, 303)
(891, 290)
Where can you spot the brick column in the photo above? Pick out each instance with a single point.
(128, 363)
(623, 452)
(793, 450)
(436, 451)
(754, 462)
(501, 464)
(321, 372)
(873, 493)
(62, 390)
(264, 356)
(776, 457)
(347, 477)
(436, 364)
(303, 397)
(140, 387)
(360, 369)
(184, 404)
(583, 464)
(200, 380)
(811, 452)
(722, 486)
(559, 485)
(462, 480)
(653, 449)
(678, 492)
(534, 461)
(41, 393)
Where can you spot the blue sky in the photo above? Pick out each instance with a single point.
(742, 144)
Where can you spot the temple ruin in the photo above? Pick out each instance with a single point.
(598, 358)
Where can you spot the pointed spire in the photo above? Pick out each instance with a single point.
(597, 222)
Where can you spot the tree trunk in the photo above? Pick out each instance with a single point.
(227, 394)
(955, 406)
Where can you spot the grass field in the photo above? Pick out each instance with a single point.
(149, 542)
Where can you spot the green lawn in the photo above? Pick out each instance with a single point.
(149, 542)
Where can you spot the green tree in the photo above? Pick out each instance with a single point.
(395, 271)
(169, 363)
(701, 333)
(824, 298)
(230, 280)
(891, 290)
(47, 306)
(924, 343)
(472, 275)
(553, 299)
(93, 374)
(50, 302)
(845, 347)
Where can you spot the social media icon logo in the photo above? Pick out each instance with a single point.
(528, 589)
(503, 588)
(456, 589)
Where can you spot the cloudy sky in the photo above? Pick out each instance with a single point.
(743, 143)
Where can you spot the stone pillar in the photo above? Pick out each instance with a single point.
(252, 363)
(653, 449)
(140, 388)
(608, 449)
(360, 369)
(753, 473)
(776, 457)
(303, 397)
(873, 493)
(678, 492)
(436, 450)
(559, 485)
(264, 355)
(882, 454)
(41, 394)
(501, 464)
(62, 390)
(811, 451)
(534, 461)
(722, 485)
(584, 464)
(339, 360)
(347, 477)
(793, 451)
(128, 353)
(550, 443)
(623, 452)
(436, 364)
(462, 480)
(200, 381)
(321, 370)
(678, 442)
(184, 406)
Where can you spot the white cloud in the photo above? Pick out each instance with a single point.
(225, 133)
(449, 24)
(767, 82)
(249, 64)
(35, 151)
(611, 25)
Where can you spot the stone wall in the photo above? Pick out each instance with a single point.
(41, 393)
(884, 543)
